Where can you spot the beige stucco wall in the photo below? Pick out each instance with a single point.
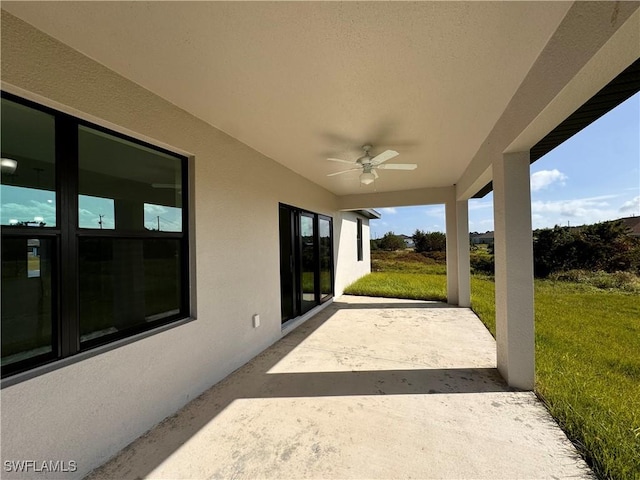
(89, 410)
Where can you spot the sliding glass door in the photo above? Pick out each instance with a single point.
(306, 260)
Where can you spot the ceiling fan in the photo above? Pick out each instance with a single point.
(369, 164)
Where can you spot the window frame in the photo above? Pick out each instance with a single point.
(295, 214)
(360, 246)
(66, 235)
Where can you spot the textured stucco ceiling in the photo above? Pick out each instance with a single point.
(305, 80)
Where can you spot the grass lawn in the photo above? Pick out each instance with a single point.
(587, 355)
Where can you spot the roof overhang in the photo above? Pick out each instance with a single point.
(449, 85)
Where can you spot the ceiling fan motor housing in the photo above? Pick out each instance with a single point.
(366, 158)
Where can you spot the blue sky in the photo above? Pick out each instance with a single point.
(592, 177)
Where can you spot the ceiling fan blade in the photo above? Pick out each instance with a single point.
(375, 174)
(340, 160)
(343, 171)
(384, 156)
(398, 166)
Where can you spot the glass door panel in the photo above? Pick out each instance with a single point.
(308, 261)
(287, 265)
(326, 280)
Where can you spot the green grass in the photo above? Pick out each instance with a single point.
(588, 372)
(587, 357)
(405, 262)
(415, 286)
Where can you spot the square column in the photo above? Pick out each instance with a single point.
(458, 270)
(514, 270)
(464, 266)
(451, 225)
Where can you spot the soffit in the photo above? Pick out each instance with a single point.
(300, 81)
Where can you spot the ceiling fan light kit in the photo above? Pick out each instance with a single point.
(367, 178)
(9, 165)
(369, 164)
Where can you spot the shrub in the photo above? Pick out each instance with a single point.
(482, 263)
(429, 241)
(626, 281)
(436, 257)
(391, 242)
(603, 246)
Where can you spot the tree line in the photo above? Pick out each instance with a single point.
(605, 246)
(423, 242)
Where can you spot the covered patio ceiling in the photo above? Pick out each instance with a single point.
(446, 84)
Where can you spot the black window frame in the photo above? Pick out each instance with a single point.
(295, 214)
(359, 239)
(67, 233)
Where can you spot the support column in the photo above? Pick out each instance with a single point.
(514, 270)
(452, 250)
(464, 267)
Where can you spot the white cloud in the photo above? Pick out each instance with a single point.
(88, 219)
(632, 206)
(26, 212)
(389, 210)
(578, 211)
(152, 209)
(544, 178)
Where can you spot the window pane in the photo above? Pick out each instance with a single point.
(28, 167)
(325, 258)
(132, 177)
(96, 212)
(27, 300)
(127, 284)
(162, 219)
(308, 262)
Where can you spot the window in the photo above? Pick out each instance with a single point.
(306, 260)
(94, 236)
(359, 238)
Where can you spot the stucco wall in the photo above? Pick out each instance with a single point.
(348, 268)
(89, 410)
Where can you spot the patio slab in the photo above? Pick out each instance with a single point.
(368, 388)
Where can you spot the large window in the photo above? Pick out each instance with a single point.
(94, 236)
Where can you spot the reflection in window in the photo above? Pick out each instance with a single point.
(33, 258)
(27, 207)
(162, 219)
(26, 298)
(116, 271)
(27, 166)
(144, 184)
(96, 212)
(125, 284)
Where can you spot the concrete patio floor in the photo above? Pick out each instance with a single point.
(368, 388)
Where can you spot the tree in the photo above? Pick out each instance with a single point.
(390, 241)
(429, 241)
(601, 246)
